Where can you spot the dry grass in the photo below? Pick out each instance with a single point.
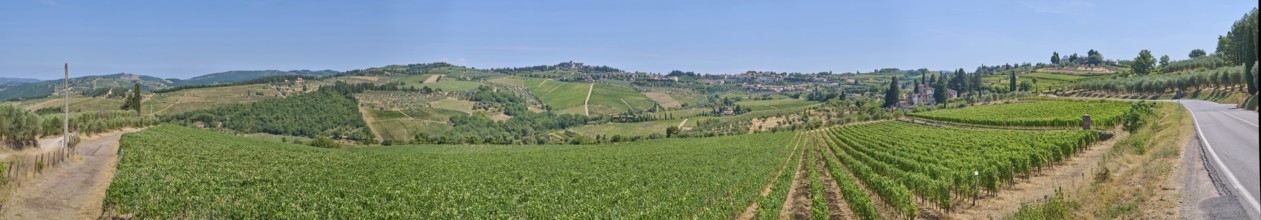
(664, 99)
(1140, 167)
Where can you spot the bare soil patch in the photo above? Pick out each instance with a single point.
(433, 79)
(797, 206)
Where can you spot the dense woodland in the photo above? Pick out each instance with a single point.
(327, 112)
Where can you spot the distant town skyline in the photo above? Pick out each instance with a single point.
(182, 39)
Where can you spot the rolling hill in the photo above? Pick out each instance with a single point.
(245, 75)
(82, 84)
(15, 81)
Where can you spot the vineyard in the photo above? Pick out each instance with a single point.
(1037, 113)
(935, 165)
(172, 172)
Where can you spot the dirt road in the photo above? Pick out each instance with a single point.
(71, 191)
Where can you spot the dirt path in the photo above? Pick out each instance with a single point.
(177, 102)
(682, 122)
(797, 206)
(368, 119)
(624, 103)
(405, 114)
(585, 109)
(72, 191)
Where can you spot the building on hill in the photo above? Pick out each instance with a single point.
(712, 81)
(925, 95)
(571, 65)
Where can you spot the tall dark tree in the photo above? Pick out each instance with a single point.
(1012, 87)
(1055, 57)
(976, 82)
(132, 102)
(1242, 47)
(1197, 53)
(1164, 60)
(891, 96)
(939, 89)
(1143, 64)
(1093, 57)
(959, 82)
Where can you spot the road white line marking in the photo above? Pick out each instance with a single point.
(1240, 119)
(1230, 175)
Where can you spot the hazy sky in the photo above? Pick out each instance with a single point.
(181, 39)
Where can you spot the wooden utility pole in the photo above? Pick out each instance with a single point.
(65, 134)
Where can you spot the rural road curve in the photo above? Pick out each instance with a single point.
(1230, 136)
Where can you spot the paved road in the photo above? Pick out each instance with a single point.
(1231, 148)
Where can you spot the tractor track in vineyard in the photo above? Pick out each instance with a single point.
(797, 205)
(750, 212)
(832, 191)
(881, 207)
(75, 190)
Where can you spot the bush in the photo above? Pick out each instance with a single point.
(1136, 116)
(325, 142)
(1053, 208)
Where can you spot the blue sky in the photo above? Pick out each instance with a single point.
(181, 38)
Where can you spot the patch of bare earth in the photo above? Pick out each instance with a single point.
(764, 124)
(1193, 182)
(433, 79)
(797, 206)
(663, 99)
(74, 190)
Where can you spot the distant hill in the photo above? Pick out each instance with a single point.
(82, 85)
(246, 75)
(13, 81)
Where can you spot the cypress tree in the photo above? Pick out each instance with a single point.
(891, 96)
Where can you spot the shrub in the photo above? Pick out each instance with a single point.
(325, 142)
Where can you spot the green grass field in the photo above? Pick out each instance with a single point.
(618, 98)
(170, 171)
(453, 104)
(559, 95)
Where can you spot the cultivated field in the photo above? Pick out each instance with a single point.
(1036, 113)
(171, 171)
